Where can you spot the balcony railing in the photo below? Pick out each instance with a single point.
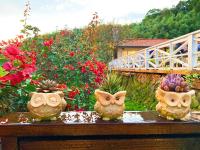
(179, 53)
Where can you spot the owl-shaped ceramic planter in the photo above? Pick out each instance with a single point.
(174, 105)
(46, 106)
(108, 106)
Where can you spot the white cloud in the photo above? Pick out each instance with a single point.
(47, 14)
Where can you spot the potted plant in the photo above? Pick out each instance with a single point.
(48, 102)
(174, 98)
(110, 98)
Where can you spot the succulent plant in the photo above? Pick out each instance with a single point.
(112, 83)
(174, 82)
(47, 86)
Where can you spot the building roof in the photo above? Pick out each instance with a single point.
(140, 42)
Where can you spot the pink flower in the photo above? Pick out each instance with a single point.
(8, 66)
(79, 109)
(12, 50)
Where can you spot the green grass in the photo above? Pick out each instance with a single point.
(132, 105)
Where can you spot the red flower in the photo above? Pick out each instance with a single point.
(71, 67)
(55, 76)
(23, 70)
(61, 86)
(72, 94)
(12, 50)
(76, 107)
(35, 82)
(45, 55)
(83, 69)
(48, 43)
(79, 109)
(13, 78)
(66, 67)
(16, 78)
(55, 67)
(88, 91)
(28, 70)
(71, 54)
(86, 86)
(8, 66)
(79, 63)
(98, 79)
(68, 106)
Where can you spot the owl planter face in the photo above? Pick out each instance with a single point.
(110, 106)
(174, 105)
(46, 106)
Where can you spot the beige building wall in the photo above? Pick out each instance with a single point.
(122, 52)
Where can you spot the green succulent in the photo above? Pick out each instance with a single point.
(47, 86)
(112, 83)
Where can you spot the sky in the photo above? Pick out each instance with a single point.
(51, 15)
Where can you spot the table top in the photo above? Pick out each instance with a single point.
(89, 123)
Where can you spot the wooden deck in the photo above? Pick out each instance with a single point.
(154, 71)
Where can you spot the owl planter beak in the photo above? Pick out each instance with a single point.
(174, 105)
(109, 106)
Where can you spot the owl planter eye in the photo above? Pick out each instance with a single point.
(103, 97)
(120, 97)
(186, 100)
(172, 99)
(53, 100)
(37, 100)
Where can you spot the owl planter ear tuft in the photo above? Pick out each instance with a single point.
(174, 98)
(47, 104)
(110, 98)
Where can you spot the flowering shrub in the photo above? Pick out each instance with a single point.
(69, 57)
(16, 66)
(73, 65)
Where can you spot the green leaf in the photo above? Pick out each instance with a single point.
(3, 72)
(2, 61)
(30, 88)
(19, 91)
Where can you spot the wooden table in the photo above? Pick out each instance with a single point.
(84, 130)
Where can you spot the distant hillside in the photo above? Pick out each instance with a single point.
(169, 23)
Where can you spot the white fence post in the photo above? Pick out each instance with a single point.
(146, 58)
(171, 49)
(192, 48)
(156, 57)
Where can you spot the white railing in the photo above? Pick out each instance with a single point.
(175, 54)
